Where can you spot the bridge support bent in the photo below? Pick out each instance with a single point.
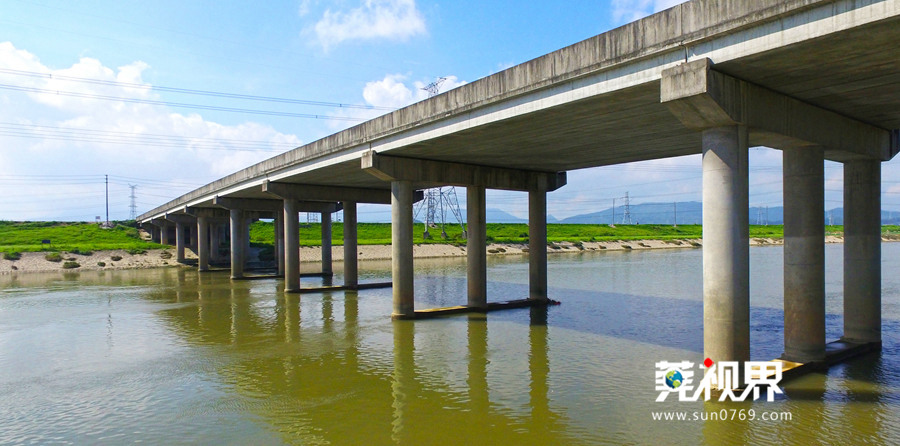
(804, 254)
(476, 241)
(291, 246)
(726, 252)
(326, 244)
(237, 243)
(537, 244)
(202, 243)
(402, 249)
(862, 251)
(351, 264)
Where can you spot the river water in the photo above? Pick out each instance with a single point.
(168, 356)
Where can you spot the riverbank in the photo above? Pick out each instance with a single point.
(159, 258)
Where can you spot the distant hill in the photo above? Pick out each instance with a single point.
(691, 212)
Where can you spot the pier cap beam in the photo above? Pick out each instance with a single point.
(428, 173)
(211, 213)
(702, 98)
(314, 193)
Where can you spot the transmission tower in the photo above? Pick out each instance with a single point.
(438, 201)
(133, 202)
(435, 87)
(626, 219)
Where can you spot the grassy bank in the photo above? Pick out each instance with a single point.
(262, 233)
(28, 236)
(83, 237)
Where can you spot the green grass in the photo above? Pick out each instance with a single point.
(16, 237)
(72, 237)
(262, 233)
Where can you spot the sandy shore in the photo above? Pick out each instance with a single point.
(120, 259)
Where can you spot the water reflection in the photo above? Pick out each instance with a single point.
(187, 357)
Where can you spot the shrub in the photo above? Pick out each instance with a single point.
(70, 265)
(136, 251)
(53, 257)
(12, 255)
(115, 258)
(101, 264)
(626, 247)
(266, 254)
(165, 255)
(80, 252)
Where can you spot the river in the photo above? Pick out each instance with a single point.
(166, 356)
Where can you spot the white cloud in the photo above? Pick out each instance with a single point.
(68, 141)
(393, 91)
(374, 19)
(625, 11)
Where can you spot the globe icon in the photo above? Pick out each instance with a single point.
(674, 379)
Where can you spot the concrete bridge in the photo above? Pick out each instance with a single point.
(817, 79)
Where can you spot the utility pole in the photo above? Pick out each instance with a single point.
(675, 218)
(106, 179)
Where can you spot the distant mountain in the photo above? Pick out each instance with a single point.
(688, 213)
(691, 212)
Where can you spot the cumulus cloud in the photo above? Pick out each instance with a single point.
(625, 11)
(374, 19)
(393, 91)
(52, 136)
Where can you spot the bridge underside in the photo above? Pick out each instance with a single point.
(819, 80)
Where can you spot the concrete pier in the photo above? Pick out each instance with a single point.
(180, 235)
(476, 256)
(351, 262)
(327, 268)
(164, 234)
(291, 246)
(862, 251)
(402, 249)
(238, 232)
(726, 255)
(279, 242)
(537, 244)
(202, 243)
(804, 254)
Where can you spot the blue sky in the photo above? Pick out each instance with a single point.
(55, 148)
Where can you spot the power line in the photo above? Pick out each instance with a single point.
(195, 92)
(175, 104)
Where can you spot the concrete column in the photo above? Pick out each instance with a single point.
(164, 234)
(804, 254)
(238, 233)
(862, 251)
(279, 242)
(537, 244)
(291, 246)
(203, 243)
(326, 243)
(351, 263)
(180, 235)
(726, 252)
(215, 240)
(476, 256)
(154, 234)
(193, 240)
(402, 248)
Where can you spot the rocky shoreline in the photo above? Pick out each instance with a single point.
(158, 258)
